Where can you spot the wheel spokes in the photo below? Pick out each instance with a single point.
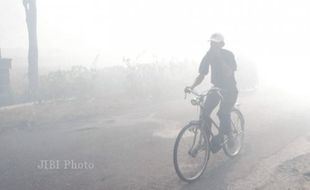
(234, 144)
(192, 160)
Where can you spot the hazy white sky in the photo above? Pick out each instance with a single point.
(274, 33)
(163, 26)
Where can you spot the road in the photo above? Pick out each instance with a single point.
(133, 150)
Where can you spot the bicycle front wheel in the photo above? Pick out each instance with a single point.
(191, 153)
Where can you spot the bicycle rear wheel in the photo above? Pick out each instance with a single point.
(234, 144)
(191, 153)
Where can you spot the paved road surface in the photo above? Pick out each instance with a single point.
(134, 150)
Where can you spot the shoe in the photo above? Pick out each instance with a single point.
(216, 143)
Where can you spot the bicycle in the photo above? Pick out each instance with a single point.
(198, 136)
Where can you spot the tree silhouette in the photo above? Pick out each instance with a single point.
(31, 20)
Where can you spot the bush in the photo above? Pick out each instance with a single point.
(146, 81)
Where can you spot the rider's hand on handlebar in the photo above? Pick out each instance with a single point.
(188, 89)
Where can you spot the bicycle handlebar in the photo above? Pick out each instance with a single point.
(191, 91)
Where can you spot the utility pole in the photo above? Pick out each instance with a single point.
(31, 20)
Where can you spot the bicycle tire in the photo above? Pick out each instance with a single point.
(175, 154)
(242, 123)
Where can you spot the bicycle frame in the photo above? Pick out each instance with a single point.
(202, 119)
(200, 101)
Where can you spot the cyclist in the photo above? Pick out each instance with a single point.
(223, 66)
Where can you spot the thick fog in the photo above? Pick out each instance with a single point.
(111, 85)
(273, 34)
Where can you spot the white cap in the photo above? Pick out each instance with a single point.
(217, 37)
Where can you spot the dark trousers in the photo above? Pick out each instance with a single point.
(229, 98)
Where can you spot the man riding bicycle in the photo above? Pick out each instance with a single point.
(223, 67)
